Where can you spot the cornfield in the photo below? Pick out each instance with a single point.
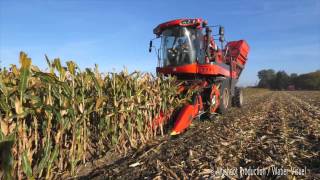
(54, 121)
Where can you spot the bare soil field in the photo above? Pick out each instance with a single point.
(273, 129)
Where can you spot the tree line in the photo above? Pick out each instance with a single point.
(280, 80)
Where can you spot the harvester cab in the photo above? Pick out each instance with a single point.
(188, 51)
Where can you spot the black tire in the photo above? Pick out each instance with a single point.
(225, 99)
(237, 99)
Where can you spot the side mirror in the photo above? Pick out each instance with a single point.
(221, 31)
(208, 31)
(150, 46)
(221, 38)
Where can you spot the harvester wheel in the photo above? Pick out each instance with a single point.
(224, 97)
(237, 99)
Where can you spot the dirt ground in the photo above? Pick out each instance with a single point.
(273, 130)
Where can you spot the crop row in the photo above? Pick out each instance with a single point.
(54, 121)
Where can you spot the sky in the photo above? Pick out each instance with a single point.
(282, 35)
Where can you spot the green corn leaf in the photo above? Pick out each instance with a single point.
(71, 67)
(52, 158)
(57, 64)
(114, 139)
(3, 88)
(26, 165)
(51, 79)
(91, 74)
(48, 61)
(66, 88)
(46, 77)
(50, 64)
(24, 73)
(44, 161)
(3, 105)
(61, 70)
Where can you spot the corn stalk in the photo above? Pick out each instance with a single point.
(60, 119)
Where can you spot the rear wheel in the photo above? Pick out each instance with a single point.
(237, 99)
(224, 97)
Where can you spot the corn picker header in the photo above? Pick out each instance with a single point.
(189, 51)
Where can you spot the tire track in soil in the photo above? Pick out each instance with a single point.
(287, 138)
(306, 113)
(305, 139)
(195, 153)
(311, 97)
(245, 152)
(306, 105)
(269, 145)
(273, 129)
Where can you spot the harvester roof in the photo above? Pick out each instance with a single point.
(196, 22)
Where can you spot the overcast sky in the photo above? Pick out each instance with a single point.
(283, 35)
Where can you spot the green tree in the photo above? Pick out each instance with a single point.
(310, 81)
(293, 78)
(282, 80)
(266, 76)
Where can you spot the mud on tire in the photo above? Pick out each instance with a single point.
(225, 99)
(237, 99)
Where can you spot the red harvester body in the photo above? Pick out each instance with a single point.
(189, 52)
